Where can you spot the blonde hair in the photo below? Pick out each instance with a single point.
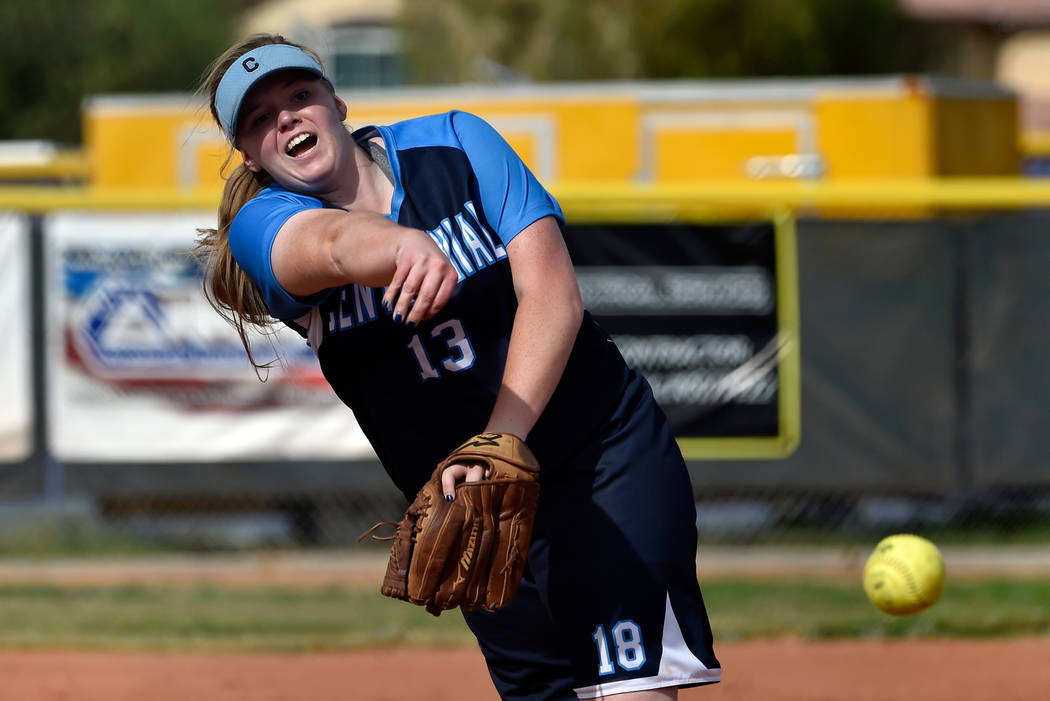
(227, 287)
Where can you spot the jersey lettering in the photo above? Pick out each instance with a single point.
(457, 248)
(357, 305)
(467, 243)
(497, 247)
(365, 304)
(482, 256)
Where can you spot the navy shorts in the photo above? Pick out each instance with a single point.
(610, 602)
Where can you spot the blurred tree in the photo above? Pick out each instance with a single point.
(472, 40)
(53, 53)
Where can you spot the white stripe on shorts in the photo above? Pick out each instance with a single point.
(678, 666)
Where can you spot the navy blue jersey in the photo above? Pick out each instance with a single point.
(418, 392)
(616, 507)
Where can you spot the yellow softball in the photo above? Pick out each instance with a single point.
(904, 575)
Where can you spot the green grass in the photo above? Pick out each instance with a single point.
(215, 619)
(43, 537)
(743, 609)
(970, 534)
(219, 618)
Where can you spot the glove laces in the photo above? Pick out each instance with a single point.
(371, 531)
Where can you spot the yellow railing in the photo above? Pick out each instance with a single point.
(960, 194)
(66, 166)
(603, 200)
(40, 199)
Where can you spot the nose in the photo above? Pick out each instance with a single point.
(287, 118)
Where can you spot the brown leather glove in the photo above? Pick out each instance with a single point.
(469, 552)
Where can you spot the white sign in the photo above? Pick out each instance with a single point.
(143, 369)
(15, 367)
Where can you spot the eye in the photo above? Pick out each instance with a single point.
(258, 119)
(301, 96)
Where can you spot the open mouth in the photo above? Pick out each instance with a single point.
(300, 145)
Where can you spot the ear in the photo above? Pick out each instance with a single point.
(249, 162)
(340, 107)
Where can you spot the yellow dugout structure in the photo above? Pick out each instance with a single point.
(630, 132)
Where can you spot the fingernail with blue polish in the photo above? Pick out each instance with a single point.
(410, 324)
(386, 306)
(397, 318)
(448, 498)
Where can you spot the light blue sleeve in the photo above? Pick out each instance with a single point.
(511, 196)
(252, 234)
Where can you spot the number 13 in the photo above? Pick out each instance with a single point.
(462, 353)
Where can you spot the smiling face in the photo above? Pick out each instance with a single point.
(291, 126)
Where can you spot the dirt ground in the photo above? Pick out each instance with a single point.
(777, 670)
(771, 670)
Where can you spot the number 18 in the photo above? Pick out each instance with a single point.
(627, 639)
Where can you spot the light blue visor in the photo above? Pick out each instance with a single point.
(246, 72)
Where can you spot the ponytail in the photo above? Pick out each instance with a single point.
(227, 287)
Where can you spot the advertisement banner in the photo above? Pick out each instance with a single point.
(143, 369)
(708, 313)
(16, 409)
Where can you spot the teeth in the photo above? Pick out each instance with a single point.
(296, 141)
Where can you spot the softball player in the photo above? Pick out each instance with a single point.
(424, 264)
